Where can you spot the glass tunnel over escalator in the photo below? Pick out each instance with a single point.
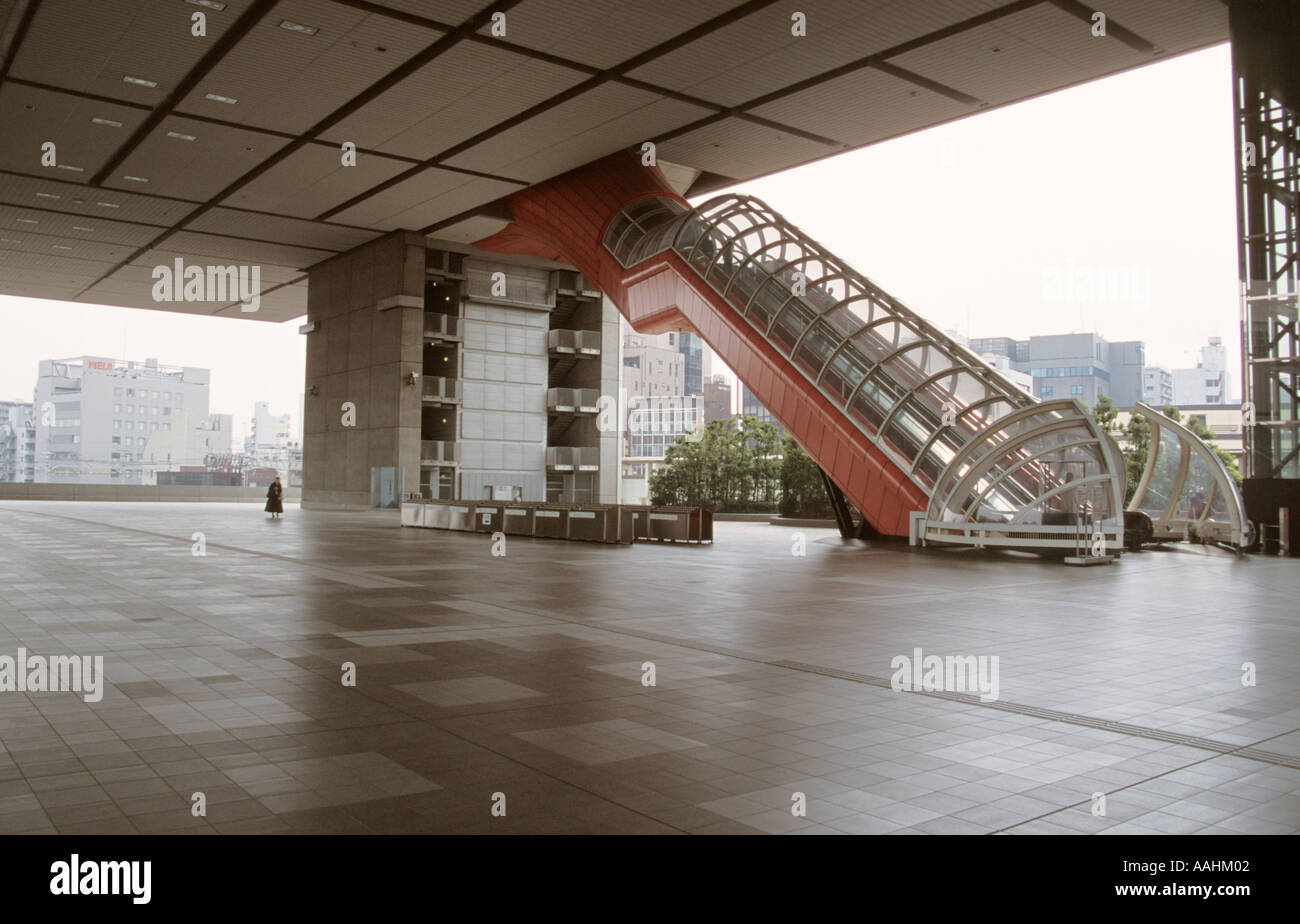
(921, 435)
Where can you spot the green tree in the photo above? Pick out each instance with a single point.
(803, 493)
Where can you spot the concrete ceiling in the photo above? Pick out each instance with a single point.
(226, 147)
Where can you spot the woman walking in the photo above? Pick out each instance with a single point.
(273, 495)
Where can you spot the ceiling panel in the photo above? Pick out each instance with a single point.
(240, 223)
(462, 92)
(93, 203)
(425, 198)
(1174, 27)
(876, 105)
(599, 122)
(1039, 49)
(625, 29)
(759, 55)
(313, 180)
(740, 149)
(282, 304)
(469, 230)
(450, 12)
(62, 225)
(132, 286)
(218, 155)
(30, 117)
(238, 250)
(47, 245)
(289, 81)
(75, 45)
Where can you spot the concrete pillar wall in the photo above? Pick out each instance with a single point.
(611, 374)
(368, 306)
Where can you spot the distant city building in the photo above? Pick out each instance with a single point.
(717, 399)
(95, 417)
(1209, 382)
(272, 446)
(1157, 386)
(17, 441)
(691, 348)
(655, 423)
(653, 367)
(1081, 366)
(749, 406)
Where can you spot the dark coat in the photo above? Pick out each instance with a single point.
(273, 494)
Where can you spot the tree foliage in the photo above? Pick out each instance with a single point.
(735, 465)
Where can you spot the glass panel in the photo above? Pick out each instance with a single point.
(790, 325)
(873, 402)
(818, 345)
(845, 371)
(767, 303)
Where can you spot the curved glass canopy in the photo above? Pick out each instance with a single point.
(1185, 488)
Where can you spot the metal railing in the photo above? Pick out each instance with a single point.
(573, 400)
(572, 458)
(439, 387)
(437, 451)
(586, 342)
(439, 325)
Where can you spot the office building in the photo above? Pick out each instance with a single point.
(1209, 381)
(17, 442)
(96, 415)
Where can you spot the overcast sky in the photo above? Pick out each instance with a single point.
(996, 225)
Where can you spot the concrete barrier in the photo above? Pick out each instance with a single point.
(115, 493)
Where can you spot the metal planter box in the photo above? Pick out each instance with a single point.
(487, 518)
(517, 519)
(438, 515)
(551, 522)
(460, 516)
(594, 523)
(413, 513)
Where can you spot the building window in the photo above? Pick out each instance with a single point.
(117, 408)
(1076, 389)
(117, 392)
(167, 396)
(1047, 390)
(154, 395)
(117, 425)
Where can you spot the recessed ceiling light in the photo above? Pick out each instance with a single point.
(79, 228)
(210, 4)
(72, 168)
(182, 136)
(62, 247)
(27, 221)
(218, 98)
(48, 196)
(297, 27)
(9, 240)
(139, 81)
(135, 179)
(109, 122)
(109, 205)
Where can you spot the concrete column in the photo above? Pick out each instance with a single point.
(368, 308)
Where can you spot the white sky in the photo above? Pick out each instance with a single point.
(965, 223)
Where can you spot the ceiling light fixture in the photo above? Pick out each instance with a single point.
(109, 205)
(27, 221)
(80, 228)
(218, 98)
(48, 196)
(182, 136)
(109, 122)
(210, 4)
(62, 247)
(298, 27)
(72, 168)
(135, 179)
(139, 81)
(9, 240)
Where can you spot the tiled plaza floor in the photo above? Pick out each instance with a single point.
(516, 682)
